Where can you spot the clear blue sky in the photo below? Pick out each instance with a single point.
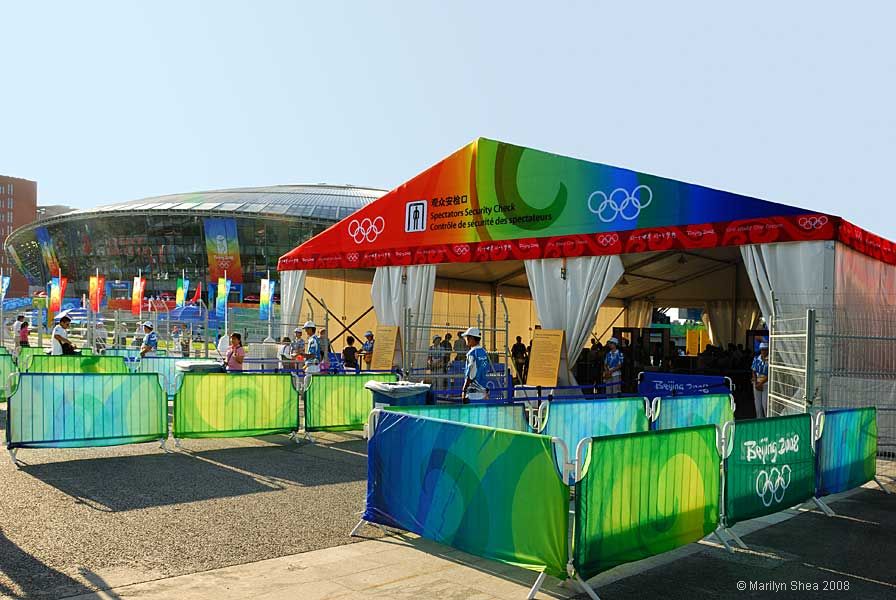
(788, 101)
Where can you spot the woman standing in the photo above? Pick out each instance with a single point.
(235, 353)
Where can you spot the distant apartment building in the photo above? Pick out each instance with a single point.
(18, 207)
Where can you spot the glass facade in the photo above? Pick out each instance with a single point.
(163, 239)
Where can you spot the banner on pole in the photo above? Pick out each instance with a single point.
(180, 296)
(137, 295)
(264, 302)
(197, 295)
(221, 300)
(57, 293)
(47, 250)
(223, 248)
(97, 288)
(4, 286)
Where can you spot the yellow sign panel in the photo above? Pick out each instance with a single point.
(548, 348)
(693, 342)
(387, 342)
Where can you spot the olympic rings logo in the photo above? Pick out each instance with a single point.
(771, 485)
(367, 229)
(620, 203)
(607, 239)
(808, 223)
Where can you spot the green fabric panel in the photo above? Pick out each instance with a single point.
(7, 367)
(130, 352)
(490, 492)
(25, 354)
(771, 467)
(235, 405)
(689, 411)
(340, 402)
(847, 450)
(644, 494)
(499, 416)
(69, 410)
(77, 364)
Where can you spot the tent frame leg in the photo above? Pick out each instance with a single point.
(586, 588)
(824, 507)
(881, 486)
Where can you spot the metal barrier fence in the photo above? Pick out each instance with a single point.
(499, 416)
(209, 405)
(673, 412)
(164, 367)
(70, 410)
(339, 402)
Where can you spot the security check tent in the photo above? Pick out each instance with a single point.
(580, 235)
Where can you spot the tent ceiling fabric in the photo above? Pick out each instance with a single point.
(491, 201)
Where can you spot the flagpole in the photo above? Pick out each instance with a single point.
(225, 301)
(2, 322)
(270, 307)
(140, 309)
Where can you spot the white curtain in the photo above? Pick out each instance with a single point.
(639, 313)
(746, 317)
(572, 303)
(292, 284)
(718, 316)
(394, 290)
(796, 274)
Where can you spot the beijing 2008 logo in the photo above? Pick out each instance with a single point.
(620, 203)
(366, 229)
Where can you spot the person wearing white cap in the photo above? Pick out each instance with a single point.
(476, 369)
(150, 340)
(366, 352)
(613, 367)
(760, 378)
(312, 348)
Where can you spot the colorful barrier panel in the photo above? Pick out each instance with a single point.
(770, 466)
(339, 402)
(846, 452)
(490, 492)
(652, 384)
(164, 366)
(77, 364)
(213, 405)
(70, 410)
(672, 412)
(572, 421)
(644, 494)
(25, 354)
(129, 352)
(499, 416)
(7, 367)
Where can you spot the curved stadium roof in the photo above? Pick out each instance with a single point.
(316, 201)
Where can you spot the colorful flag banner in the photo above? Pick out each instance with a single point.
(223, 248)
(137, 295)
(197, 296)
(47, 250)
(57, 293)
(221, 300)
(264, 302)
(97, 288)
(4, 286)
(180, 296)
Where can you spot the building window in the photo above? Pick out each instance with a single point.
(9, 203)
(10, 189)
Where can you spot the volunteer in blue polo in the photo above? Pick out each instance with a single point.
(312, 348)
(760, 381)
(476, 369)
(613, 367)
(150, 340)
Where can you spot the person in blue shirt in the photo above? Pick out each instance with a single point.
(476, 369)
(613, 367)
(150, 340)
(760, 381)
(312, 348)
(367, 348)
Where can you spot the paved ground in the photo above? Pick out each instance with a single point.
(851, 553)
(72, 521)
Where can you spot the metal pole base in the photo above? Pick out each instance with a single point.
(163, 445)
(12, 455)
(718, 535)
(177, 442)
(537, 586)
(362, 523)
(587, 588)
(307, 437)
(824, 507)
(881, 486)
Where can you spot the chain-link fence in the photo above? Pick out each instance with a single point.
(837, 358)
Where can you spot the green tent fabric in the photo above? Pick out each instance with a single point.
(69, 410)
(339, 402)
(213, 405)
(644, 494)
